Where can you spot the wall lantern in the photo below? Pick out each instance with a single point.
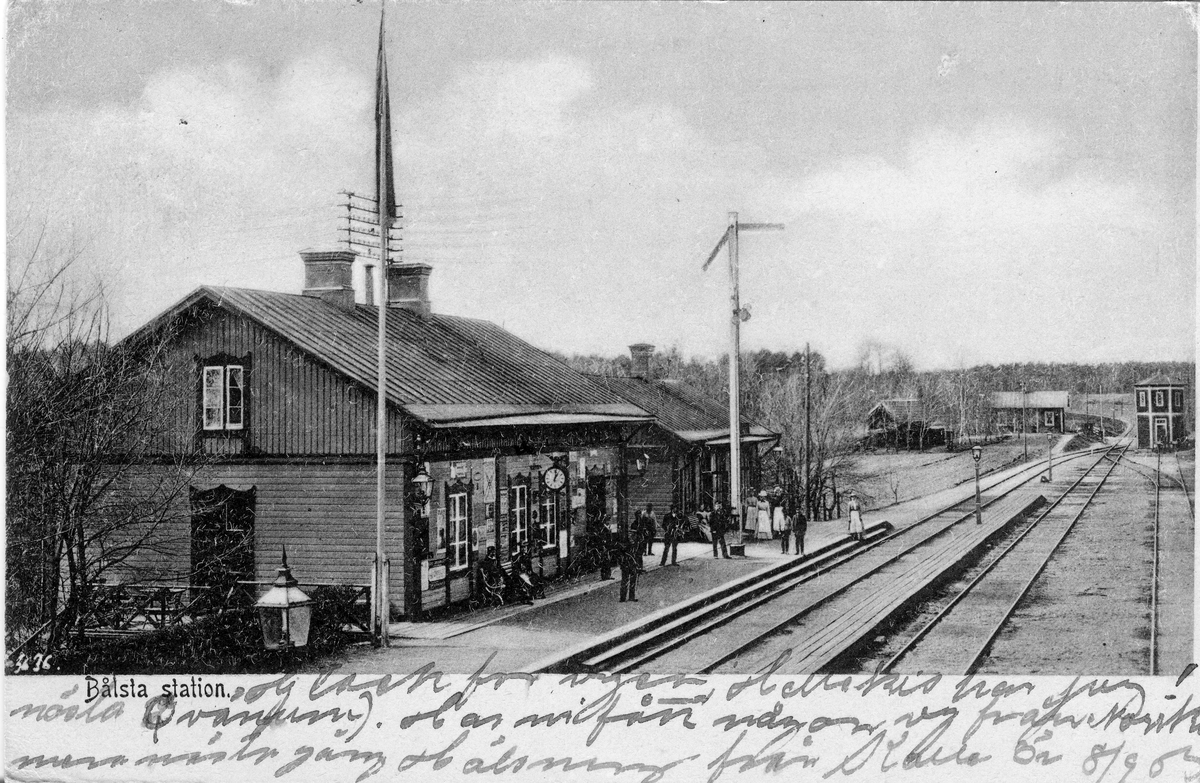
(422, 484)
(285, 612)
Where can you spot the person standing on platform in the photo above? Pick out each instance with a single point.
(672, 532)
(629, 560)
(778, 515)
(718, 523)
(800, 528)
(649, 527)
(763, 517)
(785, 529)
(855, 520)
(604, 543)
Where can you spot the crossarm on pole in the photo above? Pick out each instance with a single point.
(760, 227)
(717, 249)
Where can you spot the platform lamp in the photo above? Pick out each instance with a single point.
(285, 612)
(977, 454)
(419, 488)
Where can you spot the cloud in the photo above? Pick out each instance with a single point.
(997, 178)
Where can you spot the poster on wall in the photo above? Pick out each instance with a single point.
(578, 498)
(441, 529)
(485, 481)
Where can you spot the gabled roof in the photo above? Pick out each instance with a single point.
(1160, 379)
(684, 412)
(905, 410)
(1010, 400)
(440, 368)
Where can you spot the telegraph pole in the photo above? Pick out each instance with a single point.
(737, 315)
(807, 431)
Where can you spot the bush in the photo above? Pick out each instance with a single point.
(227, 643)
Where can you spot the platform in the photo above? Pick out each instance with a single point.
(518, 636)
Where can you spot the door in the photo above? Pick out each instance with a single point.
(222, 536)
(1161, 436)
(597, 499)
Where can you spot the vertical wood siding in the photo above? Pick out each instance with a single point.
(295, 405)
(324, 514)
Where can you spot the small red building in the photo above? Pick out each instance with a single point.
(1161, 404)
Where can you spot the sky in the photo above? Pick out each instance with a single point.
(970, 183)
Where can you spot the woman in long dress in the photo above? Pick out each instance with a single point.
(763, 529)
(855, 523)
(778, 515)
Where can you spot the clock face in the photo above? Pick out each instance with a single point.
(554, 478)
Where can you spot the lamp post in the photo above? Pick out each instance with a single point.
(1050, 456)
(977, 454)
(285, 612)
(418, 497)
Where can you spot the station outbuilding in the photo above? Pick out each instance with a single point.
(682, 457)
(1161, 404)
(1035, 411)
(907, 422)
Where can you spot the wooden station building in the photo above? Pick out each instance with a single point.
(273, 423)
(683, 457)
(1043, 411)
(1161, 404)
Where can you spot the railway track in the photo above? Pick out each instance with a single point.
(722, 625)
(957, 638)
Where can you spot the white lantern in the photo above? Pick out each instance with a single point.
(285, 612)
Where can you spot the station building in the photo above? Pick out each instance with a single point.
(271, 427)
(1043, 411)
(1161, 404)
(682, 458)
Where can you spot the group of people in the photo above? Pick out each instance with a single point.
(523, 582)
(777, 517)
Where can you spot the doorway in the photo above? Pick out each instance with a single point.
(596, 505)
(1161, 432)
(222, 536)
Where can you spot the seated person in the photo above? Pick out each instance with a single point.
(491, 574)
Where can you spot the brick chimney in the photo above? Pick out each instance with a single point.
(408, 287)
(639, 366)
(327, 276)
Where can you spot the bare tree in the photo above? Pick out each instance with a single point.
(83, 417)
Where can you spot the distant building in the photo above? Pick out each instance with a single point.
(683, 457)
(1161, 410)
(907, 423)
(1044, 411)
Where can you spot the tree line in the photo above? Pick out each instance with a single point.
(794, 396)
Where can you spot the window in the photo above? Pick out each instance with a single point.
(1141, 400)
(519, 512)
(548, 527)
(224, 397)
(1177, 400)
(459, 543)
(1159, 400)
(1049, 418)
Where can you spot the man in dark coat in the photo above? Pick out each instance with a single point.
(718, 523)
(649, 528)
(672, 531)
(603, 539)
(629, 560)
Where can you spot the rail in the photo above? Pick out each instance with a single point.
(983, 649)
(936, 619)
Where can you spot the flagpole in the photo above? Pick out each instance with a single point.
(382, 190)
